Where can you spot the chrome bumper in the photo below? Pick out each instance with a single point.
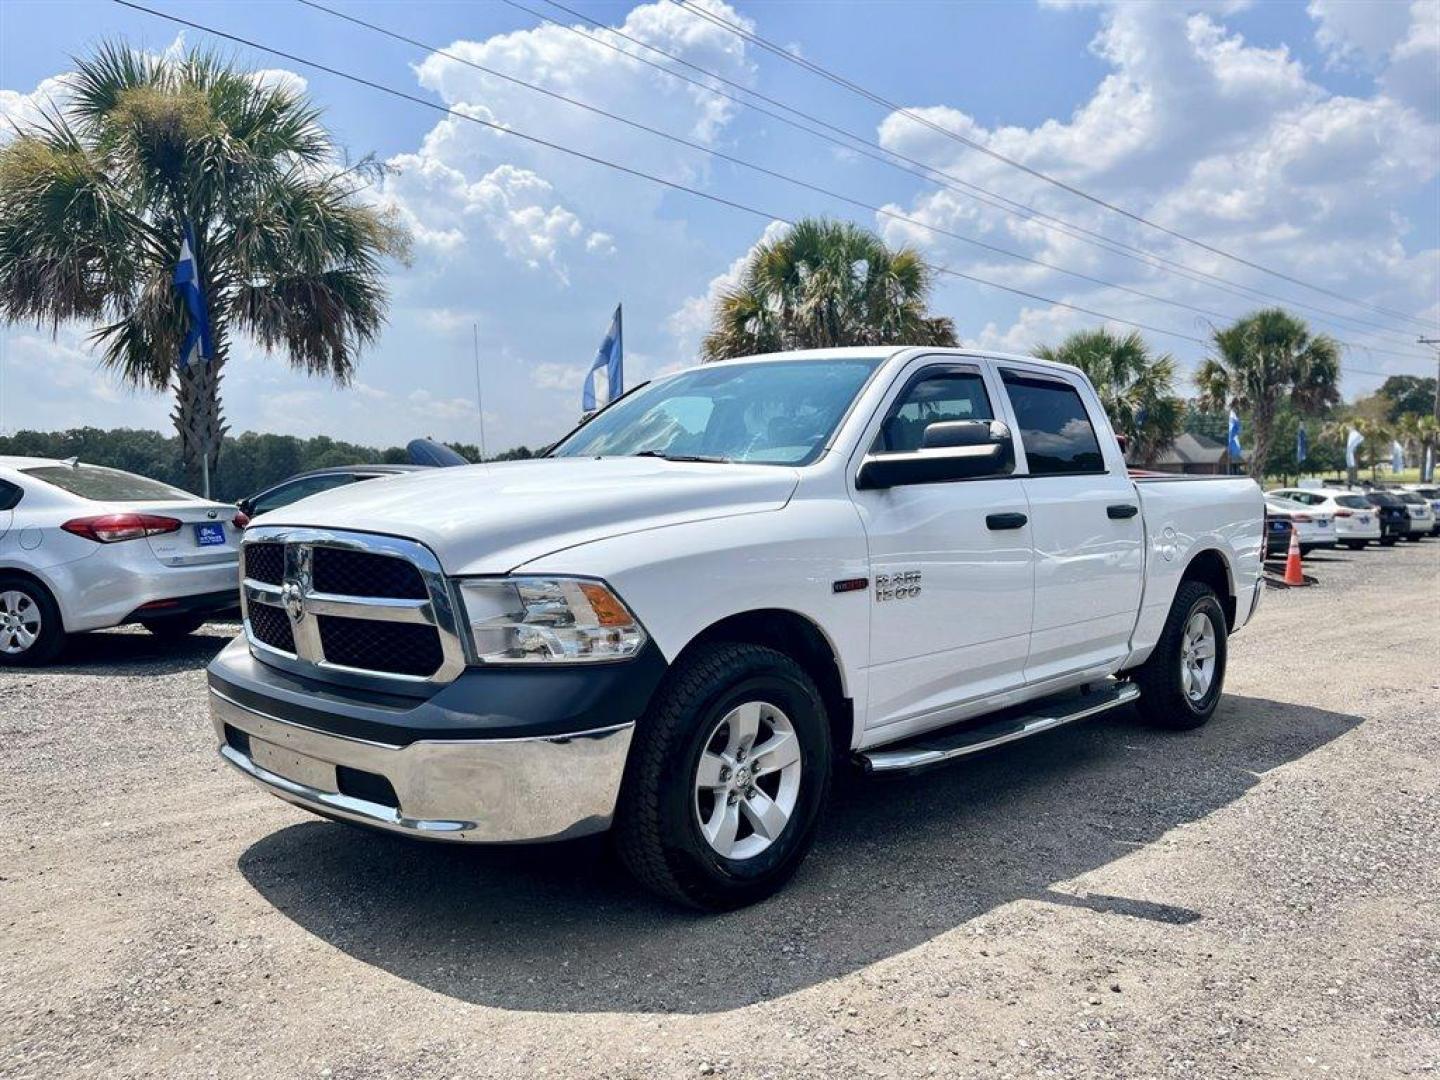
(481, 791)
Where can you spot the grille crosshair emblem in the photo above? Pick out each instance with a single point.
(292, 597)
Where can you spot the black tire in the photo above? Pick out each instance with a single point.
(657, 830)
(1414, 538)
(1163, 701)
(1355, 545)
(1387, 541)
(175, 627)
(51, 636)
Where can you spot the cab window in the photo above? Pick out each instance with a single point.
(1054, 426)
(932, 399)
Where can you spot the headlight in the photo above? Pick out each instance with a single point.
(561, 620)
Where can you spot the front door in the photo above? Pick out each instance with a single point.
(951, 569)
(1085, 524)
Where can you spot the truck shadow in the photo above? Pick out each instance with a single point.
(560, 928)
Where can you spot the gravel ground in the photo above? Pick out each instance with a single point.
(1258, 898)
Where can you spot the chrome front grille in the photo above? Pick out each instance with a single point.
(349, 607)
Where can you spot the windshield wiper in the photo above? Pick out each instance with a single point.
(682, 457)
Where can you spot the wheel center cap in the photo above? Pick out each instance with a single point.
(742, 776)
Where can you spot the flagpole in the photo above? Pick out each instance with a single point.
(479, 395)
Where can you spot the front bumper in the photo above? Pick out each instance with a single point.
(478, 790)
(495, 756)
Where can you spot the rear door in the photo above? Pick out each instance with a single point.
(10, 495)
(1085, 524)
(950, 595)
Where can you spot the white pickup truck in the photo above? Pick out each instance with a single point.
(726, 582)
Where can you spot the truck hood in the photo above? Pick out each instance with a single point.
(492, 518)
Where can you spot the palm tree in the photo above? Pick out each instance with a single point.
(1136, 388)
(826, 283)
(95, 196)
(1263, 359)
(1420, 434)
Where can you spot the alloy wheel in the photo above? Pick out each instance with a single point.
(747, 782)
(1197, 657)
(20, 621)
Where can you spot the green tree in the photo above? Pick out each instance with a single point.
(826, 283)
(1262, 360)
(1408, 395)
(94, 198)
(1136, 387)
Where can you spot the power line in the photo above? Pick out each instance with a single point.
(596, 160)
(774, 174)
(950, 133)
(928, 173)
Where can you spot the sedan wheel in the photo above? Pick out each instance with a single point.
(30, 628)
(20, 622)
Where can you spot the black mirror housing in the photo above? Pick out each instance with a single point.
(949, 433)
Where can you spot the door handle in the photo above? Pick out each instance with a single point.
(1005, 521)
(1121, 511)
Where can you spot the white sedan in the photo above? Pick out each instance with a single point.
(1356, 522)
(1422, 517)
(1314, 528)
(84, 547)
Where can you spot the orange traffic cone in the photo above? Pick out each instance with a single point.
(1294, 573)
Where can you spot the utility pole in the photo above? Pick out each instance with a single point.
(1435, 342)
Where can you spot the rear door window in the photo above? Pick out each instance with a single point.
(1055, 429)
(1351, 502)
(105, 485)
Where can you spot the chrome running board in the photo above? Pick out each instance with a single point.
(935, 748)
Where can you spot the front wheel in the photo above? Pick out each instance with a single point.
(728, 773)
(1387, 541)
(1355, 545)
(1180, 683)
(1414, 538)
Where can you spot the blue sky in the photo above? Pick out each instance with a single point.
(1304, 136)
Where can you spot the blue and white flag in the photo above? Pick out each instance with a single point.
(197, 347)
(1234, 444)
(1352, 443)
(1397, 456)
(1302, 445)
(611, 357)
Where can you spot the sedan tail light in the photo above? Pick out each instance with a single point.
(1301, 517)
(240, 520)
(1344, 513)
(112, 528)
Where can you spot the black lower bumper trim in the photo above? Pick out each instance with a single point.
(481, 703)
(226, 601)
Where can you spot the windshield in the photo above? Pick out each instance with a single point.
(105, 485)
(778, 412)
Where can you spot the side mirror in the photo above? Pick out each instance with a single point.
(952, 450)
(245, 506)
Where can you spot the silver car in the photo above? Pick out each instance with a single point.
(84, 547)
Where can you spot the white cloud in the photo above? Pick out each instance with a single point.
(689, 322)
(1210, 135)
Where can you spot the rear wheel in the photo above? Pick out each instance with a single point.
(1355, 545)
(174, 627)
(1414, 537)
(1387, 541)
(31, 632)
(1181, 681)
(727, 776)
